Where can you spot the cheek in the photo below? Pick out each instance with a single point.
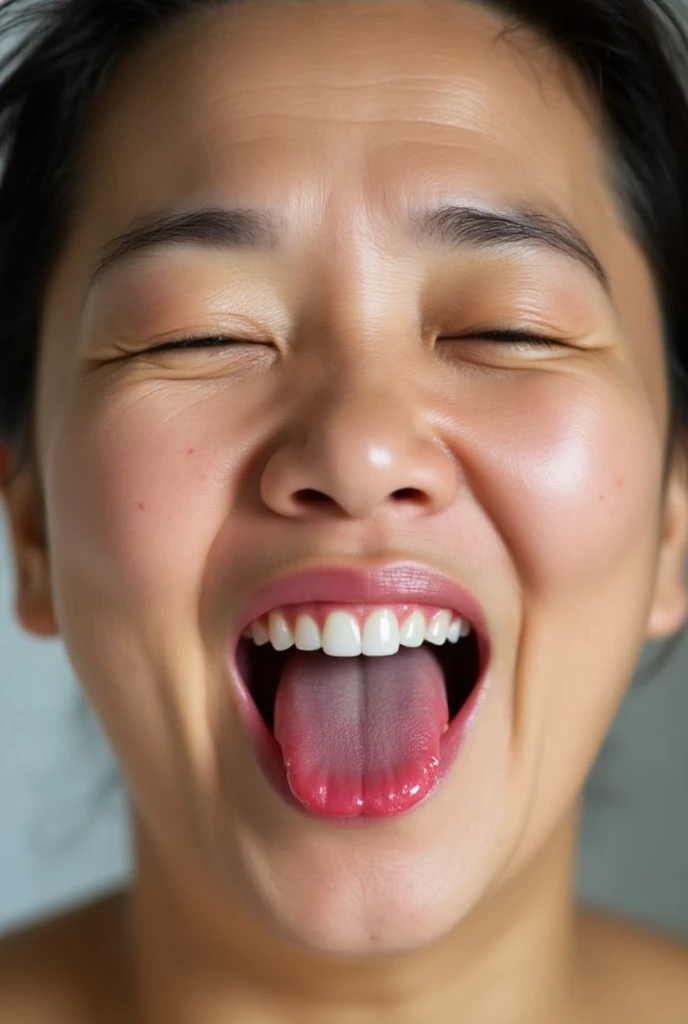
(133, 502)
(134, 509)
(573, 490)
(573, 485)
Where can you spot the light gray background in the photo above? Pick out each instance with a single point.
(63, 830)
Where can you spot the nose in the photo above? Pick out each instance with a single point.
(358, 450)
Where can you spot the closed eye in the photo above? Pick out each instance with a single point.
(207, 341)
(517, 339)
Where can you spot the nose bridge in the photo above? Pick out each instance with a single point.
(378, 373)
(360, 332)
(363, 416)
(358, 440)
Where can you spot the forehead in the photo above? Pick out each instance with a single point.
(338, 118)
(365, 103)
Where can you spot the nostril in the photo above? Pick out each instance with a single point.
(309, 496)
(408, 493)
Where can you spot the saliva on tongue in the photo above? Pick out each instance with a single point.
(361, 736)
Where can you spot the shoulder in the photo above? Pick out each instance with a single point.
(636, 973)
(66, 969)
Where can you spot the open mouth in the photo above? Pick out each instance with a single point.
(262, 668)
(363, 706)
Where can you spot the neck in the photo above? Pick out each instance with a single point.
(202, 959)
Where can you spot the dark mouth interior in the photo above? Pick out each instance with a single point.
(261, 670)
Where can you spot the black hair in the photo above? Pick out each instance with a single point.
(632, 53)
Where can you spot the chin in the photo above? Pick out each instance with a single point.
(364, 934)
(375, 908)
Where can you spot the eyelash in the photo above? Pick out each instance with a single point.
(203, 341)
(523, 339)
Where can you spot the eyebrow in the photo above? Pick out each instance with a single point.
(459, 226)
(456, 226)
(214, 228)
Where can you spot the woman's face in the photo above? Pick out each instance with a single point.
(363, 418)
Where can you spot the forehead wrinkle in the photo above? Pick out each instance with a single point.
(473, 98)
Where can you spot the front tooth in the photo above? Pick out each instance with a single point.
(380, 634)
(454, 631)
(341, 636)
(307, 634)
(438, 628)
(259, 633)
(281, 637)
(412, 632)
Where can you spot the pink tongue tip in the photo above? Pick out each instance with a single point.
(361, 735)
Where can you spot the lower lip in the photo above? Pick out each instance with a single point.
(270, 757)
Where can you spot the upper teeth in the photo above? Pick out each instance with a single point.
(343, 636)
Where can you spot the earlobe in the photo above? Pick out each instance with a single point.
(670, 603)
(33, 596)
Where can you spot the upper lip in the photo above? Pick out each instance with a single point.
(390, 583)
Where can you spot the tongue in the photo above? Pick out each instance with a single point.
(361, 735)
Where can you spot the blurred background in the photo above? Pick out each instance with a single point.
(63, 827)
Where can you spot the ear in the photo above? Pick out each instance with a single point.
(670, 604)
(22, 499)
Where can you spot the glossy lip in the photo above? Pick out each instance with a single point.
(391, 583)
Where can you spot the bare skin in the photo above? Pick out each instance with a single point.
(177, 482)
(80, 968)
